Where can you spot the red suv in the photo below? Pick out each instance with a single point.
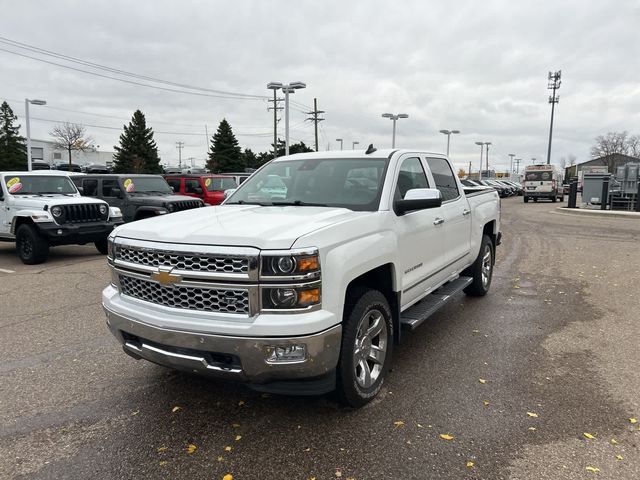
(209, 188)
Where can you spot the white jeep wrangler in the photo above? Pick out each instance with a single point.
(44, 208)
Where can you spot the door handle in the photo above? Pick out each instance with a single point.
(438, 221)
(466, 212)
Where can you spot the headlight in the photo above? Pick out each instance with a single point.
(56, 212)
(291, 297)
(302, 263)
(103, 209)
(110, 249)
(115, 212)
(170, 207)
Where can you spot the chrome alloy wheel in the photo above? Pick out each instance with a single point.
(370, 348)
(487, 265)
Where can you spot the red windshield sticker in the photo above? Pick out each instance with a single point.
(14, 185)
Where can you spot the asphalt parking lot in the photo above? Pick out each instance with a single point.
(540, 379)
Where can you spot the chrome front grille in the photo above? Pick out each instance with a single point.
(223, 300)
(211, 263)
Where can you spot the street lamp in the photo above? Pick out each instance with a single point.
(487, 153)
(339, 140)
(275, 86)
(353, 145)
(26, 115)
(511, 155)
(480, 170)
(286, 89)
(393, 117)
(448, 134)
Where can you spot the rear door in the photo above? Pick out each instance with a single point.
(455, 210)
(421, 243)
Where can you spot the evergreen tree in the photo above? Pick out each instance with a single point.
(225, 155)
(13, 149)
(138, 152)
(249, 158)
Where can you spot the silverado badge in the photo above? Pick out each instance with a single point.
(165, 278)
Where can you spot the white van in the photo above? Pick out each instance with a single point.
(542, 181)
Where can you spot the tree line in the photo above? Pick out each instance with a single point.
(136, 151)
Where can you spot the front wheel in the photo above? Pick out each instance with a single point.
(367, 343)
(526, 199)
(101, 246)
(482, 270)
(32, 248)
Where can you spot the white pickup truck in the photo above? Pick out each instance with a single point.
(306, 291)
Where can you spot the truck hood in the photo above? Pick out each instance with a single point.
(37, 202)
(231, 225)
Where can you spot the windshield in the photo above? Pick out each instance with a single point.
(354, 183)
(146, 185)
(543, 176)
(39, 184)
(219, 184)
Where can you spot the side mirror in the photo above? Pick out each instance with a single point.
(229, 192)
(173, 190)
(418, 199)
(81, 190)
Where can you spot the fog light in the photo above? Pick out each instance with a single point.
(59, 232)
(286, 353)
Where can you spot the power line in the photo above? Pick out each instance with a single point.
(132, 82)
(315, 119)
(117, 71)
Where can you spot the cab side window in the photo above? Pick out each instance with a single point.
(411, 176)
(192, 185)
(90, 187)
(444, 178)
(174, 183)
(110, 188)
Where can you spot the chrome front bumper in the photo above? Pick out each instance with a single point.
(234, 358)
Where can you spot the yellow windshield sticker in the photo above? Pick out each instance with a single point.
(129, 185)
(14, 185)
(207, 182)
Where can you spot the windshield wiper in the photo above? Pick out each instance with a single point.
(299, 203)
(242, 202)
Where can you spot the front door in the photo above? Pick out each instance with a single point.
(421, 245)
(5, 224)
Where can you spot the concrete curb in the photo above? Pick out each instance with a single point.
(599, 213)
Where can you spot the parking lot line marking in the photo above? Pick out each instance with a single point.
(3, 270)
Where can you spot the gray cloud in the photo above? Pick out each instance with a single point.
(476, 66)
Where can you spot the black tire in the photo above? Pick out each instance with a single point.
(553, 199)
(535, 199)
(101, 246)
(32, 248)
(480, 285)
(363, 308)
(526, 199)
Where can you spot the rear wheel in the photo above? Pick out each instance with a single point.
(482, 270)
(32, 248)
(367, 343)
(526, 199)
(101, 246)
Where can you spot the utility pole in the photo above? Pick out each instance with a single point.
(469, 171)
(511, 155)
(180, 146)
(481, 152)
(554, 85)
(275, 109)
(206, 132)
(315, 119)
(517, 162)
(487, 144)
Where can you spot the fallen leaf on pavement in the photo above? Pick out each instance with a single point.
(228, 449)
(308, 449)
(163, 463)
(446, 436)
(175, 409)
(613, 441)
(482, 380)
(191, 448)
(228, 476)
(469, 464)
(338, 473)
(533, 429)
(240, 403)
(633, 420)
(588, 435)
(398, 423)
(162, 449)
(238, 437)
(532, 414)
(135, 413)
(220, 458)
(593, 469)
(419, 426)
(619, 457)
(485, 403)
(235, 425)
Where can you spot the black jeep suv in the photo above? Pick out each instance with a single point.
(138, 196)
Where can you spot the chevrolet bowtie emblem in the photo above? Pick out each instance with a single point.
(165, 278)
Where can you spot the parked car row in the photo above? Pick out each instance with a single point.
(505, 188)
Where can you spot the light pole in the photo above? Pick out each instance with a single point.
(487, 154)
(511, 155)
(393, 117)
(480, 169)
(339, 140)
(448, 134)
(286, 89)
(353, 145)
(26, 116)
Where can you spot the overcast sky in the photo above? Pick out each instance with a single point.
(480, 67)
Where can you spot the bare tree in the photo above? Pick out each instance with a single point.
(70, 137)
(615, 142)
(563, 163)
(634, 145)
(572, 159)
